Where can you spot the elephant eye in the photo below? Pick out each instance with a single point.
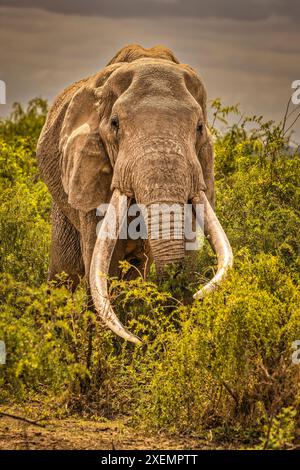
(115, 123)
(199, 128)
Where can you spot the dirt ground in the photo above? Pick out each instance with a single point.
(77, 433)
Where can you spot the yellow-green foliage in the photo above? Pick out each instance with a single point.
(223, 363)
(25, 201)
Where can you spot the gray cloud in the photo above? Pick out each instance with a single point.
(249, 10)
(251, 62)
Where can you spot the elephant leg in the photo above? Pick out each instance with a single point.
(65, 249)
(88, 235)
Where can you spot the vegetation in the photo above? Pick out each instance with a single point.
(220, 367)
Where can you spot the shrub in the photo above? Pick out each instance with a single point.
(230, 361)
(222, 364)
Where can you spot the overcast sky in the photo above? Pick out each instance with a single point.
(247, 51)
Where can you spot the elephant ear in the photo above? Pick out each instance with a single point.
(85, 167)
(206, 159)
(206, 151)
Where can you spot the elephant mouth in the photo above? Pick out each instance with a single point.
(105, 245)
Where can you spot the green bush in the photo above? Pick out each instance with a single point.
(222, 364)
(230, 361)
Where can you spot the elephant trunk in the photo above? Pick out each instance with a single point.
(166, 234)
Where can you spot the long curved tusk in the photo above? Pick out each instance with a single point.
(219, 243)
(101, 260)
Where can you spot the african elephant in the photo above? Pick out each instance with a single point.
(137, 128)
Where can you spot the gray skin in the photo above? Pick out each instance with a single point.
(140, 126)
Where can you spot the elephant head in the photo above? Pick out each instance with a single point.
(140, 130)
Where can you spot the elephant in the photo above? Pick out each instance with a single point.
(136, 130)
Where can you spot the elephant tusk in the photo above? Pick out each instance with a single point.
(100, 263)
(218, 240)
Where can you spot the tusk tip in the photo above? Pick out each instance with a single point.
(135, 339)
(199, 295)
(128, 336)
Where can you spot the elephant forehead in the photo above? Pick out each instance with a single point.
(157, 107)
(156, 76)
(159, 96)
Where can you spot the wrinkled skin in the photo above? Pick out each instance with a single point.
(139, 126)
